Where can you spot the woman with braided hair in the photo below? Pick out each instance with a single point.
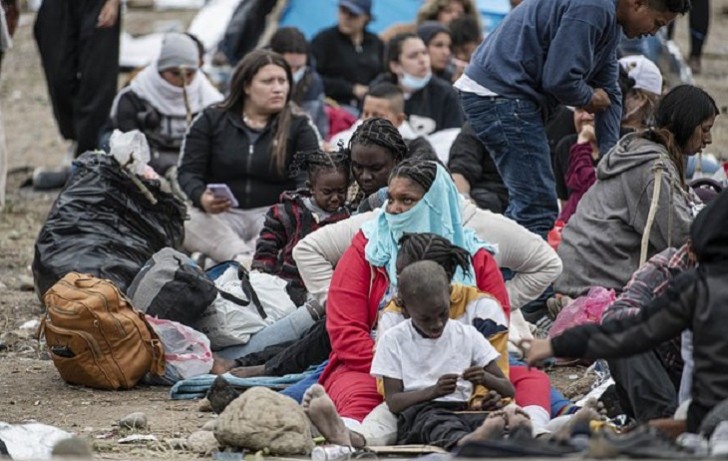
(421, 198)
(375, 148)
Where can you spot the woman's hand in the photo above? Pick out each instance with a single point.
(535, 351)
(587, 135)
(213, 204)
(489, 402)
(108, 15)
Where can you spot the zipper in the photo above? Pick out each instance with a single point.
(247, 181)
(93, 344)
(119, 326)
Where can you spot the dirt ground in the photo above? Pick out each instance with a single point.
(30, 388)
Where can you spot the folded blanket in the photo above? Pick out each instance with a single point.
(197, 387)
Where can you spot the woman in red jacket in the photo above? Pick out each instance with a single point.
(421, 198)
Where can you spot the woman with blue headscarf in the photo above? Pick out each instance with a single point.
(421, 198)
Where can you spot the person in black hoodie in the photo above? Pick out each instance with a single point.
(697, 300)
(431, 104)
(246, 142)
(347, 55)
(475, 173)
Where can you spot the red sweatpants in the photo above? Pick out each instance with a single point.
(354, 393)
(533, 387)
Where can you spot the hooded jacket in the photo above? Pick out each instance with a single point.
(601, 244)
(698, 301)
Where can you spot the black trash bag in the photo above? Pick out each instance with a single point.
(102, 224)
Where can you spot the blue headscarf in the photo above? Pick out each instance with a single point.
(437, 212)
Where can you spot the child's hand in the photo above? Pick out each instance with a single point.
(535, 350)
(446, 385)
(475, 375)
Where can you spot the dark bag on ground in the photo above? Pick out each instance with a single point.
(95, 337)
(103, 224)
(171, 286)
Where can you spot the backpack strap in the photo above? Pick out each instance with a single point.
(658, 169)
(249, 292)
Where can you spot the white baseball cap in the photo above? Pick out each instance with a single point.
(644, 72)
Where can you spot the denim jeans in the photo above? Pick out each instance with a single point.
(513, 132)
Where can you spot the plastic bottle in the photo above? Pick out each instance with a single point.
(331, 453)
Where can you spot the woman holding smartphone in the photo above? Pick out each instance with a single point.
(247, 142)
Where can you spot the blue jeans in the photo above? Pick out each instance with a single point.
(296, 391)
(513, 132)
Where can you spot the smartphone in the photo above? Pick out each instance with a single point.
(222, 190)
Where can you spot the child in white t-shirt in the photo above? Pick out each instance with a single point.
(429, 365)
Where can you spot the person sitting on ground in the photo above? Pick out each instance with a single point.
(429, 365)
(696, 301)
(348, 56)
(375, 148)
(431, 104)
(475, 173)
(640, 204)
(384, 100)
(647, 384)
(247, 142)
(301, 212)
(163, 98)
(438, 39)
(308, 89)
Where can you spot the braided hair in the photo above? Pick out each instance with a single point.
(432, 247)
(380, 132)
(423, 172)
(314, 162)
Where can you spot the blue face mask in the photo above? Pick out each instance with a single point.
(298, 75)
(413, 82)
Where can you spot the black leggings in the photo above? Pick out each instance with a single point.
(699, 22)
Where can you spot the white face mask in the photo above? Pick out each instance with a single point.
(413, 82)
(298, 75)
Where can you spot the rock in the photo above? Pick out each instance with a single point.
(176, 444)
(221, 393)
(202, 442)
(204, 406)
(136, 420)
(262, 418)
(209, 426)
(25, 283)
(73, 447)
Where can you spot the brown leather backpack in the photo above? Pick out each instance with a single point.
(95, 337)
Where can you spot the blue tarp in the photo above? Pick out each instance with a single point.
(313, 15)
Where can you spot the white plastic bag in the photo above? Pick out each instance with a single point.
(131, 150)
(32, 441)
(228, 324)
(187, 352)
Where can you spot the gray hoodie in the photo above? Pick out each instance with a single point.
(601, 244)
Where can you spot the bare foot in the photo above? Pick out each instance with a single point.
(322, 412)
(582, 417)
(221, 365)
(248, 372)
(519, 423)
(491, 429)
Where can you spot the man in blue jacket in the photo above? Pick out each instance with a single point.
(546, 53)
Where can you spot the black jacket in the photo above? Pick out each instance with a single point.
(697, 300)
(469, 158)
(341, 64)
(433, 108)
(217, 150)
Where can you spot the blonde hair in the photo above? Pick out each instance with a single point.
(431, 8)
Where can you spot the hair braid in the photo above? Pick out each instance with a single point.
(423, 172)
(432, 247)
(317, 161)
(380, 132)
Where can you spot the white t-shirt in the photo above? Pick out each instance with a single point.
(402, 353)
